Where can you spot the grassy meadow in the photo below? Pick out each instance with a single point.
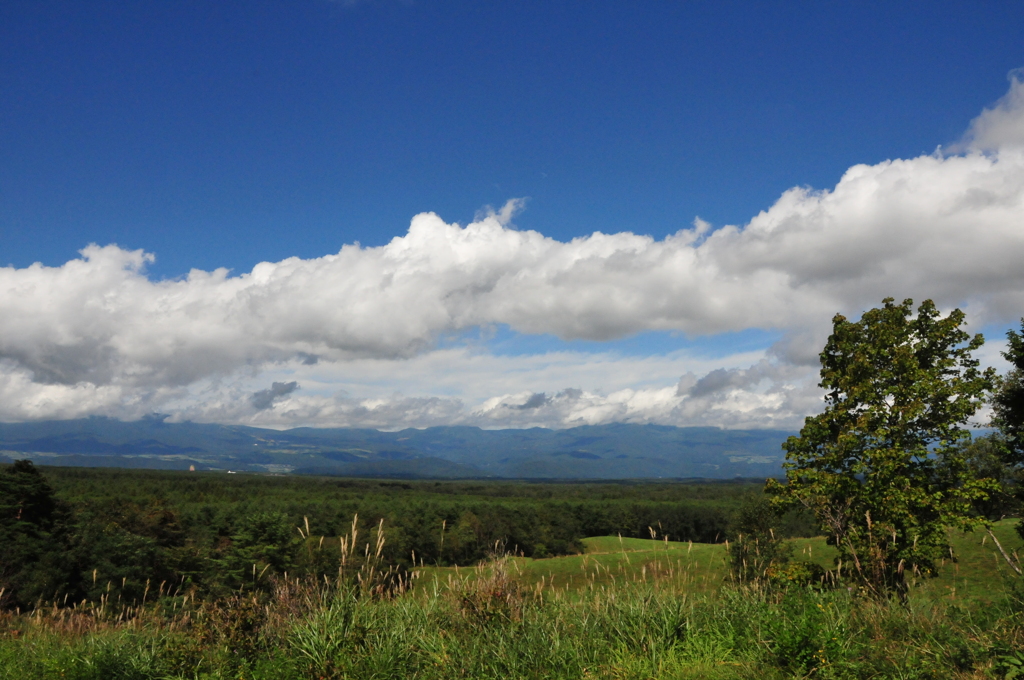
(978, 574)
(624, 608)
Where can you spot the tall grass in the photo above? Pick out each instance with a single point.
(493, 621)
(486, 628)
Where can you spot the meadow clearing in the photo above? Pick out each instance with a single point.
(623, 608)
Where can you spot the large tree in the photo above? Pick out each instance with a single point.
(883, 467)
(1008, 411)
(1008, 399)
(36, 559)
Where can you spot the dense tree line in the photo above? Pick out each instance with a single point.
(128, 535)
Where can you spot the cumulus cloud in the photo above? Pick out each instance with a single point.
(777, 406)
(1000, 126)
(97, 336)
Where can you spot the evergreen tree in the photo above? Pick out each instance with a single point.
(35, 539)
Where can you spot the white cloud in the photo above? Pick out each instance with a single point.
(97, 336)
(999, 127)
(461, 383)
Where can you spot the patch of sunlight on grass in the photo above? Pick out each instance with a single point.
(979, 572)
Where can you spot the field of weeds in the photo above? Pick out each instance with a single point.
(627, 608)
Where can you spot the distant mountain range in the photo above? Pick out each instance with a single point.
(589, 452)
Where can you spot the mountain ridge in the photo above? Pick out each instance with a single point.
(614, 451)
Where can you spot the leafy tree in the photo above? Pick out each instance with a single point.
(1008, 399)
(757, 545)
(1008, 408)
(35, 538)
(988, 457)
(884, 468)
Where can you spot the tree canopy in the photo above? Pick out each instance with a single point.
(1008, 417)
(1008, 399)
(34, 538)
(883, 467)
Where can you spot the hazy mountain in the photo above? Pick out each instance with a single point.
(591, 452)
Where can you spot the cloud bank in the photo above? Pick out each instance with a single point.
(97, 336)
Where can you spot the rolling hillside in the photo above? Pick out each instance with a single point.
(591, 452)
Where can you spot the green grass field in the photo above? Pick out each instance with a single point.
(978, 571)
(695, 567)
(626, 609)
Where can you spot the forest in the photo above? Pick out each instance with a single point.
(101, 531)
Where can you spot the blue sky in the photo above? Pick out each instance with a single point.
(222, 135)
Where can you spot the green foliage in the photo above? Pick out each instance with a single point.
(323, 636)
(263, 542)
(122, 657)
(34, 538)
(884, 468)
(757, 550)
(634, 630)
(1008, 410)
(799, 573)
(130, 535)
(808, 635)
(1008, 398)
(988, 457)
(491, 621)
(1008, 664)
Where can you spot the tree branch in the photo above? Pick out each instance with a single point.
(1005, 556)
